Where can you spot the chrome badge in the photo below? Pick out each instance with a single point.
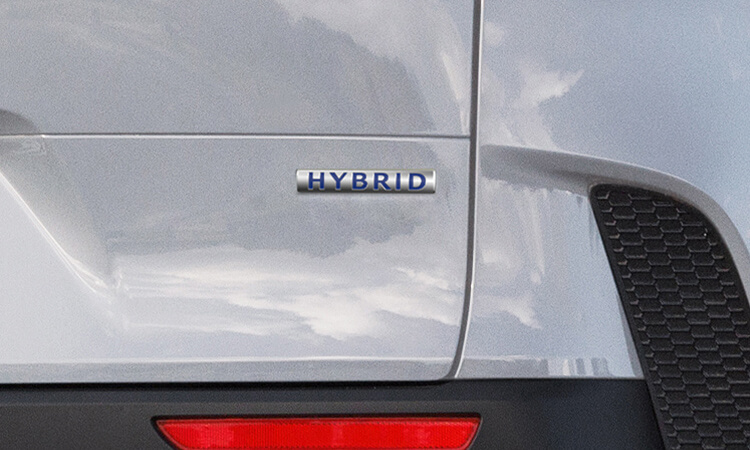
(377, 181)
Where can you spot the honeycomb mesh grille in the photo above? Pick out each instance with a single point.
(688, 313)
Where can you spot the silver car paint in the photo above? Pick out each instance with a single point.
(660, 84)
(664, 85)
(544, 301)
(569, 307)
(149, 238)
(201, 250)
(287, 66)
(131, 260)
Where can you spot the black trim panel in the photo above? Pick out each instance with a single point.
(516, 414)
(687, 311)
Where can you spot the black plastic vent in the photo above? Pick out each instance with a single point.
(688, 313)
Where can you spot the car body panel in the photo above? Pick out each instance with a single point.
(157, 234)
(544, 303)
(570, 307)
(663, 85)
(287, 66)
(196, 259)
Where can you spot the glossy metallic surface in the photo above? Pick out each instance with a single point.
(286, 66)
(585, 325)
(660, 84)
(195, 259)
(147, 253)
(544, 301)
(665, 85)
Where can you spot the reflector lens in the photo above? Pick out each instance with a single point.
(363, 433)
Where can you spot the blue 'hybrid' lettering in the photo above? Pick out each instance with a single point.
(411, 181)
(415, 181)
(358, 181)
(338, 179)
(380, 179)
(312, 180)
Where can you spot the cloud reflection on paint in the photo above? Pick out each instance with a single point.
(339, 296)
(658, 84)
(433, 48)
(188, 244)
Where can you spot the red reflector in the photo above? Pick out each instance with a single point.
(364, 433)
